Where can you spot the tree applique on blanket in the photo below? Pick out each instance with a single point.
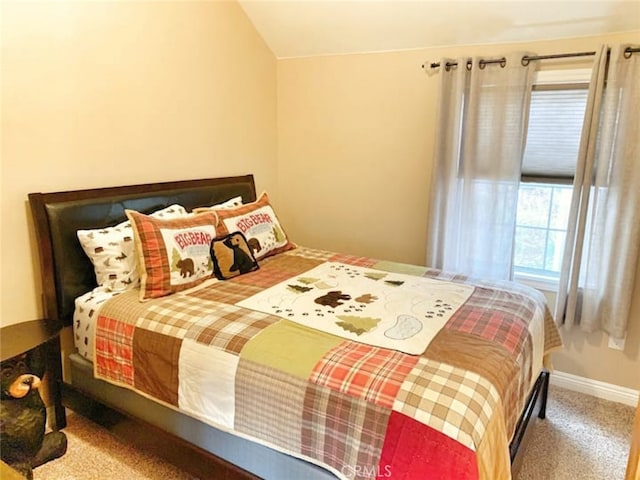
(375, 275)
(357, 325)
(299, 288)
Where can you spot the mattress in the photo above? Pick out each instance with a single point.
(231, 356)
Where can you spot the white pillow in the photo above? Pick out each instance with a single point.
(231, 203)
(112, 252)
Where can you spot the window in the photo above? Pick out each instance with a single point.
(544, 198)
(541, 228)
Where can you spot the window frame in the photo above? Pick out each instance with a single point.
(576, 79)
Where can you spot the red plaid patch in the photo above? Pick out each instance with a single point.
(495, 316)
(353, 260)
(114, 350)
(362, 371)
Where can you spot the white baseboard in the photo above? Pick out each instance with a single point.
(605, 391)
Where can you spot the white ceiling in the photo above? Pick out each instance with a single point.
(294, 28)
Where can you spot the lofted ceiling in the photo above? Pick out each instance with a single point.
(295, 28)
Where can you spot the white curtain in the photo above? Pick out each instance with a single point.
(482, 123)
(600, 296)
(569, 299)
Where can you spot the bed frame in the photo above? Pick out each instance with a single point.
(68, 273)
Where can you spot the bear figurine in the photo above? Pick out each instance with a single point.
(23, 442)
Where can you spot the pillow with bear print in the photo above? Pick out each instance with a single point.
(111, 251)
(232, 256)
(173, 255)
(259, 224)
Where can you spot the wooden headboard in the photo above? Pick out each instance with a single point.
(66, 271)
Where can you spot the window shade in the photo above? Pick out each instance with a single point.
(553, 136)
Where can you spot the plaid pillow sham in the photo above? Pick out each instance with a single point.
(173, 255)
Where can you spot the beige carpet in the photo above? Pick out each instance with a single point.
(93, 453)
(582, 438)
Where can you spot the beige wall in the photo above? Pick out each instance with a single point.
(355, 141)
(112, 93)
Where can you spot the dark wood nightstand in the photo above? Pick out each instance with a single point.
(21, 337)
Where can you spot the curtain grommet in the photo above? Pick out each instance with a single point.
(627, 53)
(525, 61)
(503, 62)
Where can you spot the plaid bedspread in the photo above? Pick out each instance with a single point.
(359, 410)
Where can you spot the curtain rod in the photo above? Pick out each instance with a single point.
(529, 58)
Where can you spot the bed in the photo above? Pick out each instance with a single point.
(304, 364)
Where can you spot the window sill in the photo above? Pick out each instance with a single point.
(538, 282)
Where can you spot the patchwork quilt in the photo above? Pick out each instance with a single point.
(241, 355)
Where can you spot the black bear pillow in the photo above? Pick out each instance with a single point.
(232, 256)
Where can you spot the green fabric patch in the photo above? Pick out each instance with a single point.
(289, 347)
(405, 268)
